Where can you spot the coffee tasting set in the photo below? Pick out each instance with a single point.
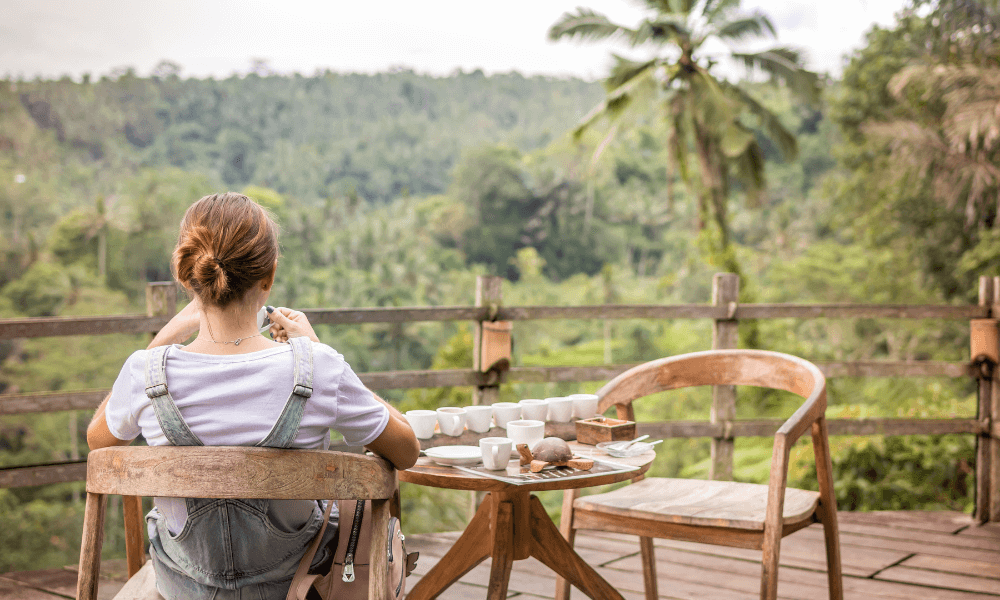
(525, 426)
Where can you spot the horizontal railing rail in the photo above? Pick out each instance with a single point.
(724, 313)
(62, 326)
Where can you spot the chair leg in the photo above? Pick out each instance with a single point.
(378, 570)
(567, 531)
(831, 536)
(769, 566)
(135, 554)
(90, 546)
(648, 567)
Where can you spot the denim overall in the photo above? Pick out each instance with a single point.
(230, 549)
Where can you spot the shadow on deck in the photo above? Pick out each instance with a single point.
(900, 555)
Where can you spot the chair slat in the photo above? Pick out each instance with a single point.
(238, 472)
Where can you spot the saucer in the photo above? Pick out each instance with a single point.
(455, 456)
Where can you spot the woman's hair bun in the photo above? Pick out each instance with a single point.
(227, 243)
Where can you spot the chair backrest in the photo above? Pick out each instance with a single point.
(238, 472)
(759, 368)
(227, 472)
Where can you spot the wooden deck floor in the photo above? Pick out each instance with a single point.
(900, 555)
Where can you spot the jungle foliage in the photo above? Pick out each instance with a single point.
(397, 189)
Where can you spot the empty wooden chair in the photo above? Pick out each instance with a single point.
(227, 472)
(719, 512)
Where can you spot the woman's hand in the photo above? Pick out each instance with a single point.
(288, 323)
(182, 326)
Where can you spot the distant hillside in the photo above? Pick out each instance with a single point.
(380, 135)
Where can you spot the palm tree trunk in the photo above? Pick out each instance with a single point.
(712, 197)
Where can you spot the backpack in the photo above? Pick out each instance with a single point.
(348, 575)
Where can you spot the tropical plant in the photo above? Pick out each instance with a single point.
(703, 111)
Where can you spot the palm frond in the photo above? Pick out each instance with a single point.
(587, 24)
(756, 25)
(749, 170)
(785, 65)
(624, 71)
(665, 28)
(637, 88)
(716, 8)
(769, 122)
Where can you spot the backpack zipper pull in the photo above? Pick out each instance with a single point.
(348, 568)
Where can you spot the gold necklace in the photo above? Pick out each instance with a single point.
(234, 342)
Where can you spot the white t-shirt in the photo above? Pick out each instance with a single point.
(234, 400)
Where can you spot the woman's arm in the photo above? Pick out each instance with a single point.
(98, 434)
(397, 442)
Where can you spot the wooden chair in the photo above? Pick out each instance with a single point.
(227, 472)
(718, 512)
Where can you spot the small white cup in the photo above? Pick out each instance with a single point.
(505, 412)
(496, 452)
(452, 420)
(584, 405)
(535, 410)
(560, 409)
(477, 418)
(527, 431)
(422, 422)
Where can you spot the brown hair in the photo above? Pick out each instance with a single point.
(227, 243)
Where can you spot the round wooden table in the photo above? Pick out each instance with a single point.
(511, 524)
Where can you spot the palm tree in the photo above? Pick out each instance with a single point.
(951, 138)
(715, 118)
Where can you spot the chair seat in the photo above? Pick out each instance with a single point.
(699, 502)
(141, 586)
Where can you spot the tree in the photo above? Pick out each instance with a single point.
(917, 110)
(718, 119)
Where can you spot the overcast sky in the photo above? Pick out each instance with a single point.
(219, 37)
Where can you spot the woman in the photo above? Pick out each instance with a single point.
(234, 387)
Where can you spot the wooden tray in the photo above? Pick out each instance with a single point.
(602, 429)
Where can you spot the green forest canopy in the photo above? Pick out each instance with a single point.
(397, 189)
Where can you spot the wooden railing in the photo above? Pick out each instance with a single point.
(724, 311)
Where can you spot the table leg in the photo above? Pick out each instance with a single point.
(549, 547)
(503, 550)
(471, 548)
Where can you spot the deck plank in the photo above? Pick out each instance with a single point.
(924, 577)
(944, 521)
(953, 565)
(986, 530)
(15, 591)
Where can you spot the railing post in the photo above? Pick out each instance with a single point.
(725, 335)
(984, 353)
(488, 293)
(993, 419)
(161, 299)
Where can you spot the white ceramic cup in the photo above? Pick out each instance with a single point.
(584, 405)
(560, 409)
(422, 422)
(451, 419)
(526, 431)
(535, 410)
(477, 418)
(505, 412)
(496, 452)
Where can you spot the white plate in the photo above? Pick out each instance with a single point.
(452, 456)
(634, 450)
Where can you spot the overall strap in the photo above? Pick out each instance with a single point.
(174, 428)
(287, 426)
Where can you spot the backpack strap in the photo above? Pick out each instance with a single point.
(169, 417)
(287, 426)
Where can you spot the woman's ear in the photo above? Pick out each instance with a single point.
(269, 280)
